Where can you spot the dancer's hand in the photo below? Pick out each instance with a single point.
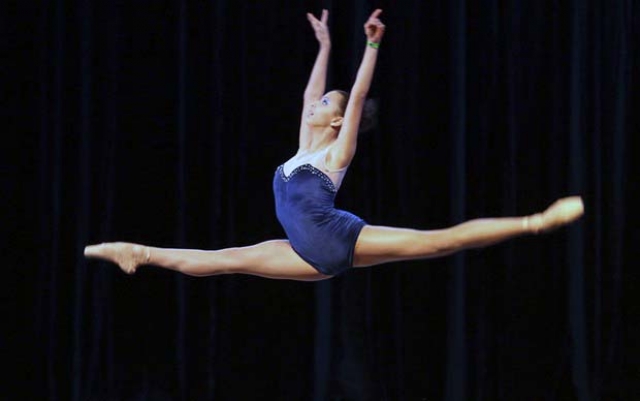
(374, 28)
(320, 27)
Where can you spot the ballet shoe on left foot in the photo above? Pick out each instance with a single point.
(562, 212)
(126, 255)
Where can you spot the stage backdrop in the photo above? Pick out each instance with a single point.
(162, 122)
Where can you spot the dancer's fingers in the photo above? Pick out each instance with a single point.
(325, 16)
(312, 18)
(376, 13)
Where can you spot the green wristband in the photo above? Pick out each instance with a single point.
(373, 44)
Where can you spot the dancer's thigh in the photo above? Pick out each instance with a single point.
(276, 259)
(380, 244)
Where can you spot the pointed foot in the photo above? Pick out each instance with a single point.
(562, 212)
(126, 255)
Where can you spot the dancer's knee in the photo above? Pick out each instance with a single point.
(443, 242)
(212, 263)
(235, 260)
(197, 267)
(245, 260)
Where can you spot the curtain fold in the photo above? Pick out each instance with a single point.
(457, 351)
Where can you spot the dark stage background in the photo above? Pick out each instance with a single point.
(162, 122)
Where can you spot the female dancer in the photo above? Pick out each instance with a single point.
(324, 241)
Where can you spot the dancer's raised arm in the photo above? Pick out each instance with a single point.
(344, 148)
(317, 80)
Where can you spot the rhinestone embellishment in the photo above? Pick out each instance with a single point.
(313, 170)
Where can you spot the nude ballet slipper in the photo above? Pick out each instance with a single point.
(560, 213)
(127, 256)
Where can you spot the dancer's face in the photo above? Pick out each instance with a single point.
(327, 111)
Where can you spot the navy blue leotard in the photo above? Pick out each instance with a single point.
(325, 237)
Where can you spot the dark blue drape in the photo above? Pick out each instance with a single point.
(162, 122)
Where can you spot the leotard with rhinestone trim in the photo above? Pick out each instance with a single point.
(322, 235)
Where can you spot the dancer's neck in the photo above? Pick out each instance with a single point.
(320, 139)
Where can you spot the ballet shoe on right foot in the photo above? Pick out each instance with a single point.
(126, 255)
(562, 212)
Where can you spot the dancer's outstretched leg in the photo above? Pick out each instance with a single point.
(272, 259)
(377, 244)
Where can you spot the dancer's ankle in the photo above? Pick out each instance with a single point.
(147, 254)
(532, 224)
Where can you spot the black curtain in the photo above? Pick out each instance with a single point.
(162, 122)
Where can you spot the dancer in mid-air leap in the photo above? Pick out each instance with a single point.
(324, 241)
